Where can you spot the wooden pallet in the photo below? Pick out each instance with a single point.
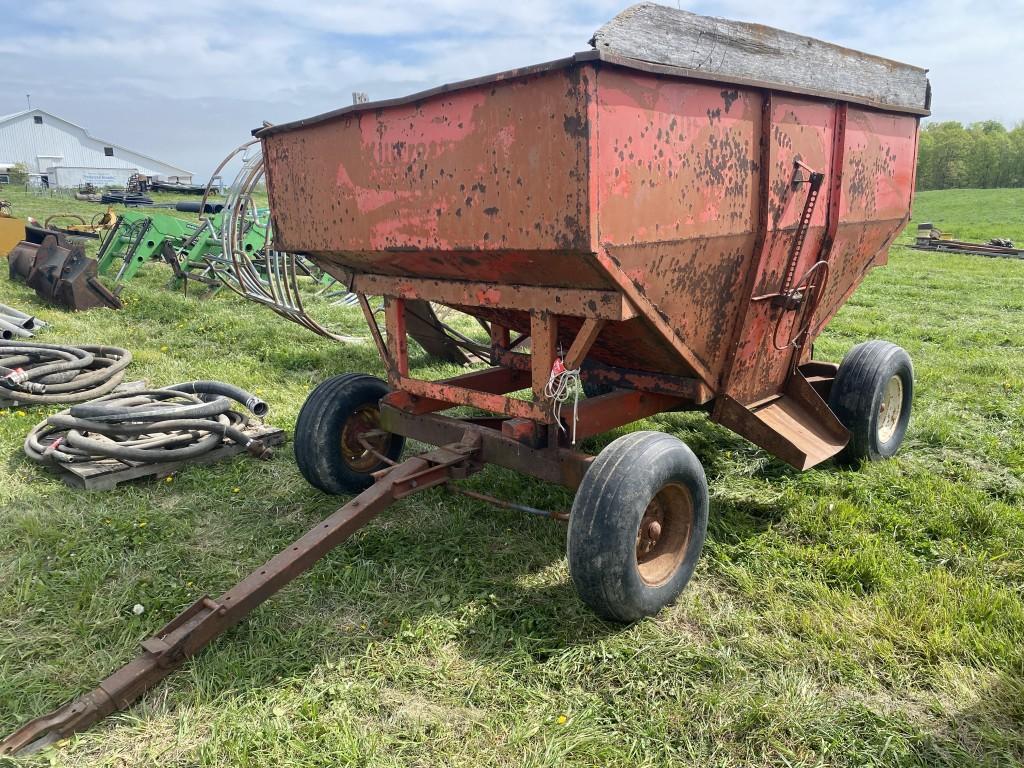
(109, 473)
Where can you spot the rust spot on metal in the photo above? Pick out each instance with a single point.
(576, 125)
(677, 194)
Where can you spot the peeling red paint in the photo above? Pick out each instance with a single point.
(684, 195)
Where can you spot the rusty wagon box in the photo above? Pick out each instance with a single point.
(669, 219)
(673, 217)
(713, 217)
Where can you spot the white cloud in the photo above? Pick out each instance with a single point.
(186, 81)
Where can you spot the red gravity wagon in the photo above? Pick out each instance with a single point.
(676, 231)
(668, 220)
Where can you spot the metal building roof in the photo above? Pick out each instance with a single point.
(23, 112)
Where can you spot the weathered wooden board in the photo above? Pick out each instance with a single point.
(109, 473)
(752, 52)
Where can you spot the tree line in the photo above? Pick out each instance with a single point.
(949, 156)
(980, 155)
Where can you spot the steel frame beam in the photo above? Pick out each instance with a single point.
(642, 394)
(569, 302)
(495, 381)
(597, 415)
(398, 341)
(562, 466)
(693, 390)
(486, 392)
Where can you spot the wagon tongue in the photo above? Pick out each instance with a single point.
(74, 716)
(207, 619)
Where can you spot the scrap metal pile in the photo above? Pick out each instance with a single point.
(73, 224)
(931, 238)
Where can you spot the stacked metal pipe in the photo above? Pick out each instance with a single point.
(15, 324)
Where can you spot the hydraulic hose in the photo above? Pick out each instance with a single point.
(49, 374)
(147, 426)
(239, 395)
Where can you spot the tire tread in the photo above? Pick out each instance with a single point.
(599, 530)
(318, 429)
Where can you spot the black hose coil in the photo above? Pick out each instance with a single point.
(148, 426)
(50, 374)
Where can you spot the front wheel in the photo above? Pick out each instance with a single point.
(338, 440)
(637, 526)
(872, 397)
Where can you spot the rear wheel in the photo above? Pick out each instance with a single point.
(338, 440)
(872, 396)
(637, 525)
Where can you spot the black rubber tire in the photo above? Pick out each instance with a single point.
(857, 394)
(605, 523)
(319, 428)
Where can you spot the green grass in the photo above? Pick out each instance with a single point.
(838, 617)
(972, 214)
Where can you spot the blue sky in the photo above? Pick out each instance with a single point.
(187, 81)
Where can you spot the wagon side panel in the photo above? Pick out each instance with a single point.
(879, 164)
(799, 130)
(676, 185)
(483, 183)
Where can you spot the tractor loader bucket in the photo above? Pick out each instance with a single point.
(206, 619)
(61, 273)
(21, 259)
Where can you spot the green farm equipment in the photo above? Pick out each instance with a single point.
(193, 249)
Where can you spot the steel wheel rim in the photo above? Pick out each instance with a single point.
(357, 456)
(663, 536)
(890, 409)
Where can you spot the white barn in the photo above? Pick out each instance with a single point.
(63, 154)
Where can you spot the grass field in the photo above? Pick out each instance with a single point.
(838, 617)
